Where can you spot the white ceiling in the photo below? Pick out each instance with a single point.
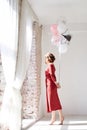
(50, 11)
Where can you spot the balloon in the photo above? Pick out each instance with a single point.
(61, 36)
(68, 37)
(62, 28)
(63, 48)
(53, 29)
(55, 39)
(63, 45)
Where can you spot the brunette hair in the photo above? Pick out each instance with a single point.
(51, 57)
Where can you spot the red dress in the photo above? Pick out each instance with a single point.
(52, 99)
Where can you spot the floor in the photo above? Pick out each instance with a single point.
(70, 123)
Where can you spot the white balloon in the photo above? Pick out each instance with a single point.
(55, 40)
(62, 28)
(63, 45)
(63, 48)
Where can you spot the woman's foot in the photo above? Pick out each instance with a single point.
(52, 121)
(61, 122)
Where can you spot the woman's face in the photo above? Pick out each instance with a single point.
(46, 60)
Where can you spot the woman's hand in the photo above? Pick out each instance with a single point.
(58, 84)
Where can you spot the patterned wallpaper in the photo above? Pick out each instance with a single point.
(32, 83)
(2, 82)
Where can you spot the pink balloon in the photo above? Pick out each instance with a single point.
(53, 29)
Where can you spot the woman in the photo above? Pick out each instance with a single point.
(53, 102)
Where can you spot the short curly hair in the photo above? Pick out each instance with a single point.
(51, 57)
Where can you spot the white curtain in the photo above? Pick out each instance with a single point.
(9, 37)
(14, 55)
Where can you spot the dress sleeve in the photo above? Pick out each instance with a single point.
(52, 72)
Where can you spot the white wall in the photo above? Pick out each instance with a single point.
(73, 93)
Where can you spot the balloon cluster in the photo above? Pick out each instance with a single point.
(60, 36)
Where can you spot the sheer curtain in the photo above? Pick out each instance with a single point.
(9, 46)
(15, 50)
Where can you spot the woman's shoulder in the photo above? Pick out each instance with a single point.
(51, 65)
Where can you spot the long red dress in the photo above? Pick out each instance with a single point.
(52, 99)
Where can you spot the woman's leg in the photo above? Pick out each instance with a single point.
(53, 117)
(61, 117)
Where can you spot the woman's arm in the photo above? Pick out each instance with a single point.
(52, 74)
